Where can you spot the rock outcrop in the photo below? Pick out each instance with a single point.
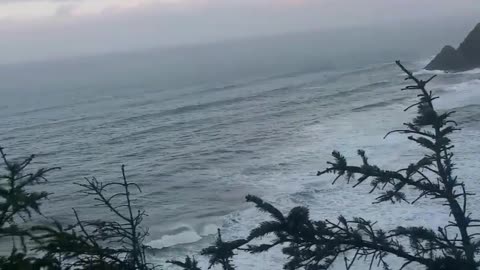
(466, 57)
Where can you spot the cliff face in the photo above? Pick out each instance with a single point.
(470, 48)
(466, 57)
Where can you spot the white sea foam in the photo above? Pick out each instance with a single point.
(347, 133)
(473, 71)
(459, 95)
(440, 72)
(428, 72)
(208, 229)
(187, 235)
(467, 86)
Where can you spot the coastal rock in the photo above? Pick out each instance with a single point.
(466, 57)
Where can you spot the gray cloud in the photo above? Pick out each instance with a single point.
(156, 25)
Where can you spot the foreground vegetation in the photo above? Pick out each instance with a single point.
(306, 243)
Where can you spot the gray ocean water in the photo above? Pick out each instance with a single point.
(196, 149)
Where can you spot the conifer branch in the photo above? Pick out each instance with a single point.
(317, 244)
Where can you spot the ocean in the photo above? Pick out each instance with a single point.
(197, 149)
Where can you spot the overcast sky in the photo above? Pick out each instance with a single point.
(42, 29)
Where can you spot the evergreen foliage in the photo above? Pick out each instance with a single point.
(17, 205)
(117, 244)
(189, 264)
(98, 244)
(317, 244)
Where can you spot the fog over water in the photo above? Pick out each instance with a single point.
(52, 29)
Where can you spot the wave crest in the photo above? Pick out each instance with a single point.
(183, 235)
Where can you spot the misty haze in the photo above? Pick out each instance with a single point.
(217, 119)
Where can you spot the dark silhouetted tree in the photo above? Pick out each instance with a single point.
(188, 264)
(220, 253)
(100, 244)
(17, 205)
(317, 244)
